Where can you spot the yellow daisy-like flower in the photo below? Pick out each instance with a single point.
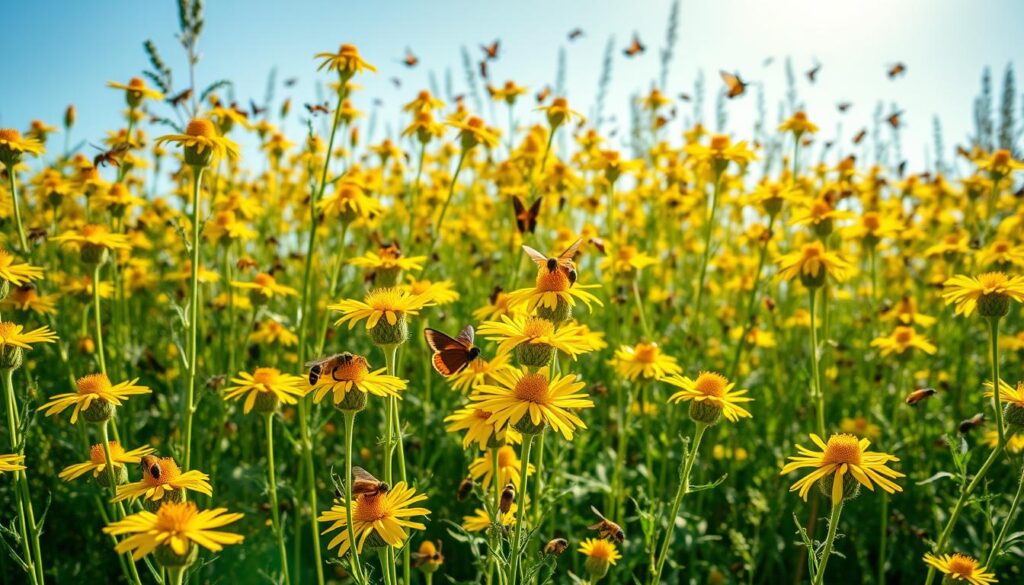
(201, 140)
(1007, 394)
(520, 331)
(425, 101)
(176, 525)
(264, 388)
(478, 371)
(12, 462)
(472, 132)
(96, 236)
(17, 274)
(439, 293)
(812, 264)
(388, 260)
(627, 260)
(902, 339)
(552, 289)
(990, 293)
(347, 61)
(349, 202)
(12, 145)
(388, 304)
(271, 332)
(480, 520)
(861, 427)
(644, 360)
(1014, 442)
(843, 457)
(719, 152)
(711, 389)
(509, 467)
(136, 91)
(171, 483)
(97, 462)
(352, 372)
(266, 286)
(530, 400)
(599, 548)
(798, 124)
(27, 298)
(381, 518)
(558, 112)
(15, 336)
(479, 429)
(905, 311)
(93, 397)
(1000, 163)
(957, 567)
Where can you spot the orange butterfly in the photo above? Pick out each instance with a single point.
(635, 47)
(735, 86)
(451, 355)
(526, 219)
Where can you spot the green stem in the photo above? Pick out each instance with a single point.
(414, 196)
(193, 315)
(640, 308)
(97, 319)
(998, 544)
(816, 393)
(350, 420)
(434, 237)
(750, 313)
(25, 515)
(833, 524)
(22, 241)
(274, 511)
(537, 474)
(385, 564)
(176, 575)
(997, 404)
(339, 261)
(517, 539)
(681, 491)
(708, 231)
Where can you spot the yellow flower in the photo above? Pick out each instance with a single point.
(627, 260)
(599, 548)
(17, 274)
(13, 462)
(266, 286)
(719, 153)
(518, 332)
(472, 132)
(389, 304)
(94, 236)
(202, 143)
(902, 339)
(347, 61)
(844, 460)
(349, 202)
(999, 164)
(479, 371)
(644, 360)
(712, 390)
(528, 401)
(798, 124)
(352, 372)
(380, 518)
(424, 102)
(558, 112)
(264, 388)
(97, 462)
(480, 520)
(990, 293)
(424, 127)
(480, 429)
(812, 264)
(509, 467)
(272, 332)
(388, 259)
(552, 290)
(1014, 442)
(171, 483)
(439, 293)
(905, 312)
(175, 525)
(507, 93)
(136, 91)
(12, 145)
(12, 336)
(861, 427)
(1009, 395)
(958, 567)
(94, 397)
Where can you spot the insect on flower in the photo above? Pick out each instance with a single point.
(607, 529)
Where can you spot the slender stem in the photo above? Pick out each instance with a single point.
(517, 539)
(97, 319)
(275, 513)
(997, 404)
(119, 509)
(389, 418)
(350, 419)
(640, 308)
(22, 241)
(193, 315)
(750, 313)
(434, 237)
(709, 228)
(538, 473)
(13, 424)
(414, 196)
(339, 261)
(681, 491)
(816, 393)
(998, 544)
(833, 524)
(176, 575)
(625, 400)
(385, 564)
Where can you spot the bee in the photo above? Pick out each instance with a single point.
(919, 395)
(635, 47)
(556, 546)
(606, 528)
(419, 559)
(896, 70)
(291, 81)
(543, 94)
(151, 464)
(843, 106)
(410, 60)
(111, 156)
(734, 84)
(491, 50)
(465, 486)
(970, 424)
(366, 485)
(331, 363)
(563, 262)
(686, 97)
(575, 34)
(859, 137)
(508, 497)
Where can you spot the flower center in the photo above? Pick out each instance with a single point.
(992, 282)
(10, 134)
(98, 457)
(266, 376)
(1001, 157)
(962, 565)
(7, 330)
(871, 221)
(370, 509)
(536, 327)
(548, 281)
(710, 384)
(719, 142)
(842, 448)
(175, 517)
(353, 370)
(93, 384)
(475, 123)
(202, 128)
(601, 550)
(136, 83)
(91, 230)
(903, 335)
(264, 280)
(506, 456)
(812, 251)
(646, 353)
(169, 472)
(532, 388)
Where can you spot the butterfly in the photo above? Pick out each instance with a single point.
(410, 60)
(734, 85)
(256, 110)
(575, 34)
(563, 262)
(526, 219)
(543, 94)
(685, 97)
(812, 74)
(894, 119)
(635, 47)
(860, 136)
(896, 70)
(291, 81)
(451, 356)
(177, 100)
(491, 50)
(843, 106)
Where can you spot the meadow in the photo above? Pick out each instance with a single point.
(507, 344)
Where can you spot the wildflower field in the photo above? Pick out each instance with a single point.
(502, 343)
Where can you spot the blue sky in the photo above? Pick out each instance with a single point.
(64, 52)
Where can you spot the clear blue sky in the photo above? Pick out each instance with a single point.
(58, 53)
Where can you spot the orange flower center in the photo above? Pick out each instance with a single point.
(962, 565)
(992, 281)
(91, 230)
(719, 142)
(7, 330)
(475, 123)
(370, 508)
(136, 83)
(506, 456)
(871, 221)
(548, 281)
(646, 353)
(266, 376)
(812, 251)
(10, 134)
(903, 335)
(536, 327)
(354, 370)
(175, 517)
(1001, 247)
(93, 384)
(202, 128)
(800, 117)
(842, 448)
(710, 384)
(98, 457)
(1001, 157)
(169, 472)
(532, 388)
(559, 103)
(264, 280)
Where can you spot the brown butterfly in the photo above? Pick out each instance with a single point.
(178, 99)
(526, 219)
(812, 73)
(364, 484)
(563, 262)
(896, 70)
(256, 110)
(685, 97)
(543, 94)
(919, 395)
(318, 108)
(491, 50)
(410, 60)
(894, 119)
(575, 34)
(451, 355)
(843, 106)
(635, 47)
(860, 136)
(734, 85)
(110, 157)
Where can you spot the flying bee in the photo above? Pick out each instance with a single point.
(919, 395)
(896, 70)
(556, 546)
(419, 559)
(329, 363)
(508, 497)
(151, 464)
(465, 486)
(970, 424)
(366, 485)
(110, 157)
(606, 528)
(563, 262)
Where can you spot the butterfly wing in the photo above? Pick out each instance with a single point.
(538, 258)
(531, 224)
(565, 258)
(733, 84)
(466, 337)
(450, 355)
(520, 211)
(362, 481)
